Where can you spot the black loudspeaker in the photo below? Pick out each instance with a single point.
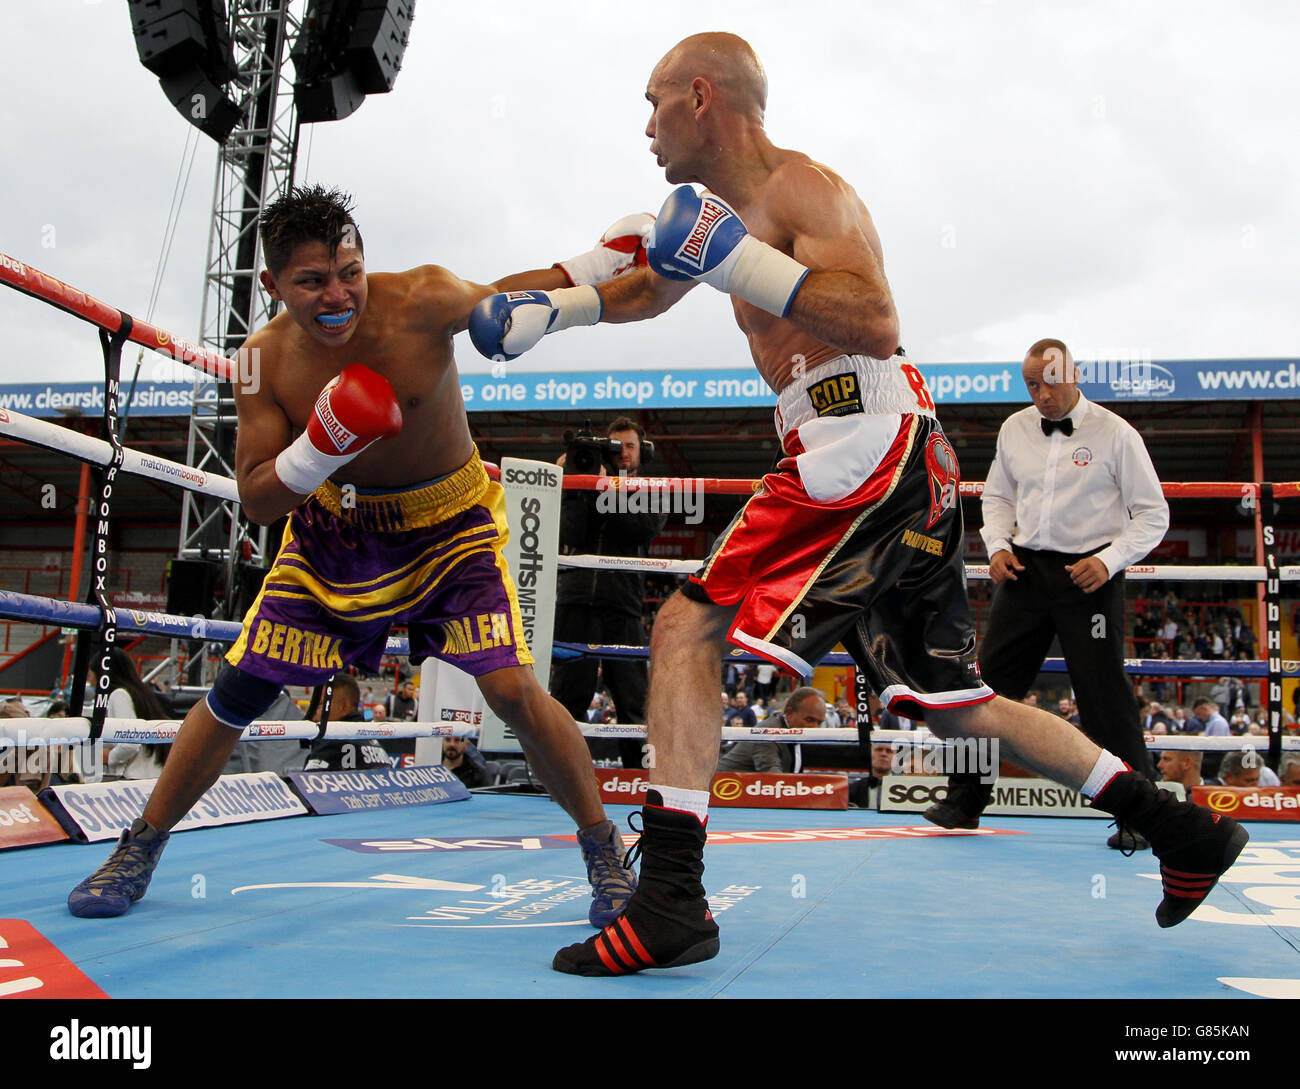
(378, 40)
(192, 587)
(173, 36)
(330, 99)
(186, 44)
(202, 103)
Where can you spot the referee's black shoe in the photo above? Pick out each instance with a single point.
(968, 796)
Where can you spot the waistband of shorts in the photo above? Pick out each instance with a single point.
(882, 389)
(407, 508)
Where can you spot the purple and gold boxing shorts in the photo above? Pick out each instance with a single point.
(354, 563)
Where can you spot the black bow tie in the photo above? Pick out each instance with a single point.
(1065, 426)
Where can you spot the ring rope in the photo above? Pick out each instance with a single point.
(31, 281)
(1152, 572)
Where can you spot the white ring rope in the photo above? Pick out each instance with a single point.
(63, 440)
(118, 731)
(1153, 572)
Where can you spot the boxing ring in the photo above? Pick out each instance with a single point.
(470, 899)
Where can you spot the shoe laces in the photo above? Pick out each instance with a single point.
(1126, 838)
(634, 852)
(604, 863)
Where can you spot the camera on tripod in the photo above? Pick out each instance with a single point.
(586, 452)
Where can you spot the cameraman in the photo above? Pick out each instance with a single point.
(604, 606)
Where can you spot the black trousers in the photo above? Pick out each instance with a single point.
(1043, 604)
(573, 682)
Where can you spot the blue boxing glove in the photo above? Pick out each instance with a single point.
(700, 238)
(507, 325)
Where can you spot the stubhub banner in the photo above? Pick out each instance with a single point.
(356, 791)
(90, 812)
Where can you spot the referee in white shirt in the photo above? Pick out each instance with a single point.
(1071, 500)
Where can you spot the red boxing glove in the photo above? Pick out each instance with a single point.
(620, 249)
(353, 411)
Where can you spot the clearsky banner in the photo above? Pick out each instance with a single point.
(611, 390)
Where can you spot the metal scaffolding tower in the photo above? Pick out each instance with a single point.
(255, 165)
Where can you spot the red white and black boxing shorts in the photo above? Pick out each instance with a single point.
(855, 539)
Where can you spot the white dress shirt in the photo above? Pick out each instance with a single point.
(1092, 492)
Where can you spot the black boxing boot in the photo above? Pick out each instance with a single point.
(667, 922)
(967, 798)
(1195, 847)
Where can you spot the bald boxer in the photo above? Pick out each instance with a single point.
(857, 536)
(393, 520)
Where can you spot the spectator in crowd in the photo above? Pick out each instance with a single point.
(1231, 696)
(1288, 771)
(605, 606)
(1207, 720)
(740, 713)
(1245, 768)
(1180, 720)
(884, 758)
(401, 705)
(1158, 720)
(764, 681)
(57, 709)
(13, 707)
(805, 708)
(1066, 708)
(1180, 766)
(326, 754)
(130, 697)
(461, 755)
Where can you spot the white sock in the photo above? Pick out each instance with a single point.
(1107, 767)
(695, 802)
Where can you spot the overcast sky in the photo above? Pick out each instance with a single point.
(1120, 175)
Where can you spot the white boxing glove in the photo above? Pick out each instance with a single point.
(620, 249)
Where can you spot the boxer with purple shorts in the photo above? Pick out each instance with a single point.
(392, 520)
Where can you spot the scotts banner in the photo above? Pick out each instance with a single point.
(739, 790)
(448, 694)
(1250, 803)
(1114, 379)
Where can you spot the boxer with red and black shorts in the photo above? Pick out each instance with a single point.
(796, 250)
(879, 569)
